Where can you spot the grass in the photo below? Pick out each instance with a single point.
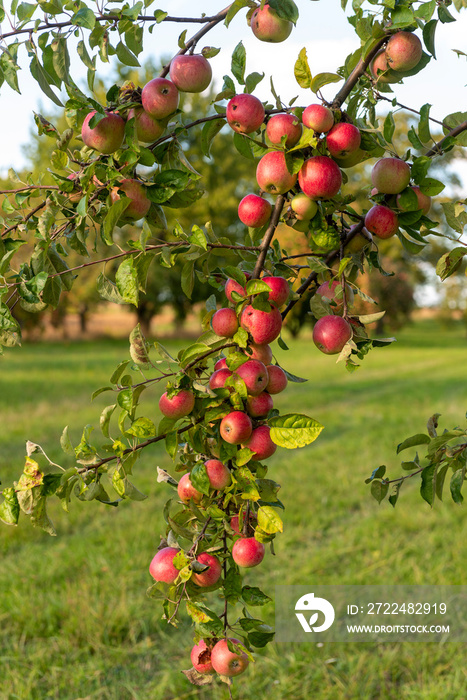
(74, 618)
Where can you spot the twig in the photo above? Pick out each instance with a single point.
(268, 236)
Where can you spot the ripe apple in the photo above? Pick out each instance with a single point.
(260, 443)
(343, 140)
(218, 474)
(161, 567)
(403, 51)
(318, 117)
(221, 364)
(329, 292)
(280, 125)
(160, 98)
(236, 427)
(254, 211)
(136, 191)
(381, 221)
(381, 71)
(259, 406)
(263, 353)
(272, 174)
(331, 333)
(424, 201)
(320, 177)
(148, 129)
(226, 662)
(201, 658)
(267, 26)
(248, 552)
(354, 158)
(280, 289)
(180, 405)
(263, 326)
(303, 207)
(277, 379)
(225, 323)
(211, 575)
(187, 492)
(255, 376)
(107, 136)
(190, 72)
(245, 113)
(218, 378)
(390, 175)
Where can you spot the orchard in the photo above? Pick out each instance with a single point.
(123, 161)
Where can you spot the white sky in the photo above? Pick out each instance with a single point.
(322, 28)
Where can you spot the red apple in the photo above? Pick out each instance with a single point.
(245, 113)
(272, 174)
(280, 289)
(218, 474)
(318, 117)
(180, 405)
(343, 139)
(260, 443)
(221, 364)
(187, 492)
(259, 406)
(381, 71)
(381, 221)
(277, 379)
(190, 72)
(403, 51)
(218, 378)
(148, 129)
(236, 427)
(161, 567)
(267, 26)
(263, 326)
(107, 136)
(390, 175)
(254, 211)
(303, 207)
(226, 662)
(225, 323)
(320, 177)
(211, 575)
(331, 333)
(160, 98)
(201, 658)
(263, 353)
(424, 201)
(281, 125)
(324, 290)
(248, 552)
(255, 376)
(233, 286)
(136, 192)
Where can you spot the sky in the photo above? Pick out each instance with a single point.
(322, 29)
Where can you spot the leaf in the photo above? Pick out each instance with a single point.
(302, 70)
(428, 32)
(379, 490)
(66, 444)
(419, 439)
(389, 127)
(431, 187)
(199, 478)
(9, 508)
(424, 123)
(450, 262)
(209, 131)
(285, 9)
(85, 17)
(114, 213)
(324, 79)
(252, 80)
(269, 520)
(142, 428)
(455, 485)
(126, 280)
(126, 56)
(44, 80)
(294, 430)
(239, 62)
(428, 486)
(254, 596)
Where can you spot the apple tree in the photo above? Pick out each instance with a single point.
(217, 416)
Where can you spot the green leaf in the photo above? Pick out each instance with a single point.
(126, 280)
(450, 262)
(235, 7)
(233, 585)
(431, 187)
(456, 484)
(389, 127)
(114, 212)
(444, 14)
(142, 428)
(199, 478)
(401, 17)
(302, 70)
(66, 444)
(429, 31)
(44, 80)
(252, 80)
(294, 430)
(254, 596)
(239, 62)
(209, 131)
(324, 79)
(379, 490)
(424, 124)
(126, 56)
(9, 508)
(269, 520)
(419, 439)
(104, 420)
(428, 486)
(285, 9)
(188, 278)
(85, 17)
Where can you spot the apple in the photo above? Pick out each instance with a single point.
(331, 333)
(263, 353)
(221, 364)
(403, 51)
(343, 140)
(259, 406)
(281, 125)
(303, 207)
(107, 136)
(390, 175)
(248, 552)
(180, 405)
(381, 221)
(226, 662)
(354, 158)
(236, 427)
(320, 177)
(328, 291)
(245, 113)
(218, 474)
(280, 289)
(160, 98)
(424, 201)
(381, 71)
(272, 174)
(268, 26)
(187, 492)
(148, 129)
(201, 658)
(225, 323)
(260, 443)
(255, 376)
(360, 241)
(211, 575)
(136, 192)
(233, 286)
(161, 567)
(190, 72)
(277, 379)
(318, 117)
(218, 378)
(254, 211)
(263, 326)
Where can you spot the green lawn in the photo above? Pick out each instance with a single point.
(74, 618)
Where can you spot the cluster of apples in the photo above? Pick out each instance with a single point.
(402, 54)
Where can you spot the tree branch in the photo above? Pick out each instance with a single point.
(356, 74)
(268, 236)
